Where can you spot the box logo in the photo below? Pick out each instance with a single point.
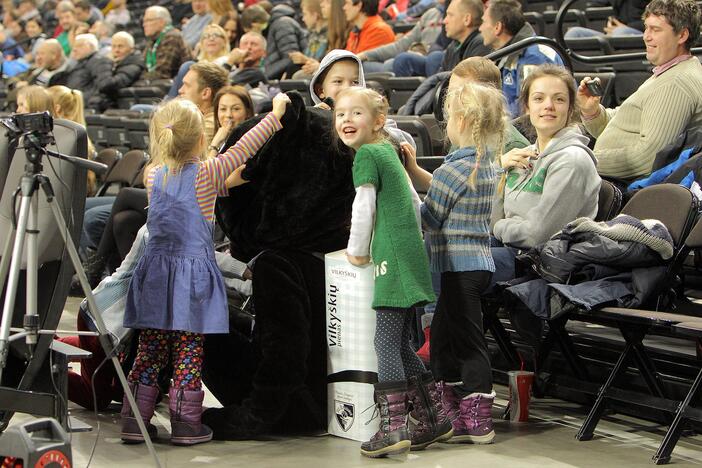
(345, 414)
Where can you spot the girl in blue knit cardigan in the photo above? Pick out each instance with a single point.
(456, 217)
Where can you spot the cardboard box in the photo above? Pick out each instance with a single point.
(352, 366)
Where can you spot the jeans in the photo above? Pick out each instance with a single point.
(97, 212)
(503, 256)
(458, 348)
(412, 64)
(374, 67)
(579, 31)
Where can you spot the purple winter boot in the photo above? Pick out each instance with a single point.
(476, 419)
(186, 412)
(429, 422)
(145, 397)
(450, 406)
(392, 437)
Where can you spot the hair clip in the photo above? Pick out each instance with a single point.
(169, 126)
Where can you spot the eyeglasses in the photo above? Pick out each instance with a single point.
(212, 35)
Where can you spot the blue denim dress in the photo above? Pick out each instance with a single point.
(176, 284)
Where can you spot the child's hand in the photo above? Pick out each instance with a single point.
(235, 179)
(410, 155)
(310, 67)
(357, 261)
(280, 102)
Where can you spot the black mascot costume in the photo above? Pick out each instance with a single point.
(296, 206)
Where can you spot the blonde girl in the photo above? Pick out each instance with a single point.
(213, 45)
(34, 99)
(456, 217)
(384, 226)
(177, 294)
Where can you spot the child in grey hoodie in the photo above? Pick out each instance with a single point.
(550, 183)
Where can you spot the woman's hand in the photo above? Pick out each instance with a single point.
(235, 179)
(297, 57)
(280, 102)
(518, 157)
(589, 104)
(357, 261)
(222, 133)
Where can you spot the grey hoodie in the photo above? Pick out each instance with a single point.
(334, 56)
(562, 185)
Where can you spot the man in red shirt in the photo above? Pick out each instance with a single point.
(369, 30)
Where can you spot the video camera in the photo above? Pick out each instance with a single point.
(37, 122)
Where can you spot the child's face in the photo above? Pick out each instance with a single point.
(309, 17)
(354, 122)
(341, 75)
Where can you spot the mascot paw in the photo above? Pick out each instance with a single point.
(233, 423)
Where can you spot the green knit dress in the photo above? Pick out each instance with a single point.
(402, 276)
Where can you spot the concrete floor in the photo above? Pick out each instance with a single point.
(547, 440)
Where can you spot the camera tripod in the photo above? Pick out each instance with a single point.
(25, 232)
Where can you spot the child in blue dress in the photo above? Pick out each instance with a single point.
(456, 217)
(385, 225)
(177, 294)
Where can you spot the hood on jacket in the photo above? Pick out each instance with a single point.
(565, 137)
(280, 11)
(330, 59)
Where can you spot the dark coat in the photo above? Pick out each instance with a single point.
(88, 73)
(301, 189)
(284, 35)
(124, 74)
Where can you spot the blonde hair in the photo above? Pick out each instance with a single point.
(70, 102)
(216, 29)
(375, 102)
(38, 99)
(221, 7)
(176, 134)
(483, 111)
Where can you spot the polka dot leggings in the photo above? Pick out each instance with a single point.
(396, 358)
(156, 347)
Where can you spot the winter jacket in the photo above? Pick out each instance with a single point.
(425, 31)
(562, 185)
(515, 67)
(284, 35)
(124, 74)
(456, 52)
(87, 74)
(374, 33)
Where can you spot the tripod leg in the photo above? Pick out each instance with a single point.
(105, 340)
(10, 292)
(31, 315)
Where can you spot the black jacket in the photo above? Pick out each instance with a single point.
(473, 46)
(87, 74)
(124, 74)
(284, 35)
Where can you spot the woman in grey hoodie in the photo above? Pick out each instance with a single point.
(547, 184)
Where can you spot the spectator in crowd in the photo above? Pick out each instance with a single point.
(416, 10)
(231, 26)
(200, 85)
(67, 25)
(283, 35)
(626, 21)
(33, 99)
(369, 30)
(103, 31)
(316, 25)
(254, 18)
(10, 49)
(201, 18)
(462, 20)
(50, 65)
(165, 49)
(548, 184)
(221, 10)
(13, 26)
(90, 68)
(34, 29)
(232, 105)
(246, 61)
(337, 31)
(664, 106)
(26, 10)
(504, 24)
(86, 12)
(119, 14)
(424, 32)
(127, 67)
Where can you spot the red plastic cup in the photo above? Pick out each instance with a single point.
(520, 383)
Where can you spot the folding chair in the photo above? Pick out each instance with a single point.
(124, 171)
(609, 202)
(420, 133)
(109, 157)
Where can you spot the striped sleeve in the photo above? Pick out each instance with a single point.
(219, 168)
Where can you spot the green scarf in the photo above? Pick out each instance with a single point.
(151, 54)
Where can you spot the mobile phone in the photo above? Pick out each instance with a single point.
(594, 87)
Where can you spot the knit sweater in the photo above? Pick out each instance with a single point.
(457, 217)
(629, 137)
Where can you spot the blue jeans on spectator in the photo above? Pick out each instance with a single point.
(374, 67)
(504, 257)
(413, 64)
(97, 212)
(579, 32)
